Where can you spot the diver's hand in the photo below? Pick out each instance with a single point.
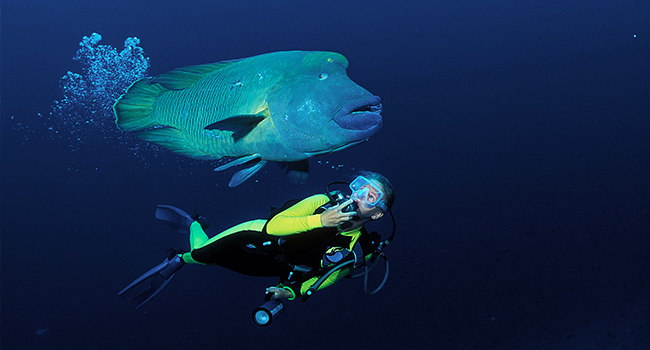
(278, 293)
(335, 216)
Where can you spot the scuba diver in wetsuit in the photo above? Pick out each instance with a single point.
(299, 243)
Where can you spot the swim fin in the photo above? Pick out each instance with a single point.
(175, 218)
(153, 281)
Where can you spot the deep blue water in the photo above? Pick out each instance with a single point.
(515, 133)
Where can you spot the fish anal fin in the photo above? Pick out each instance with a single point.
(297, 172)
(173, 140)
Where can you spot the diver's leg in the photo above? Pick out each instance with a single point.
(243, 248)
(197, 236)
(199, 239)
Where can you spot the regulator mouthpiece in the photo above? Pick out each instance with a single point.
(340, 198)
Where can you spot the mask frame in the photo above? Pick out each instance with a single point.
(360, 191)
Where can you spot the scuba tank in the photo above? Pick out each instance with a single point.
(335, 259)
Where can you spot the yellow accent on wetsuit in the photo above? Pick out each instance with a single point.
(296, 219)
(300, 218)
(199, 239)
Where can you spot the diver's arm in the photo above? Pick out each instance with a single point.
(334, 216)
(298, 218)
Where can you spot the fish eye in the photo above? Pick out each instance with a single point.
(322, 76)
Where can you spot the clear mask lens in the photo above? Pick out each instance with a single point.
(361, 195)
(366, 191)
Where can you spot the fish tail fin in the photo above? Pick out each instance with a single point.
(133, 113)
(133, 109)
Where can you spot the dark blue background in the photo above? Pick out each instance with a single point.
(515, 133)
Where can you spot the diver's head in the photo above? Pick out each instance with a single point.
(373, 195)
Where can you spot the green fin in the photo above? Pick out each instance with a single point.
(240, 125)
(172, 139)
(133, 109)
(182, 78)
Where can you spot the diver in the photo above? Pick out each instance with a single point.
(309, 244)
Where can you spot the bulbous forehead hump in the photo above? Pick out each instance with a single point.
(323, 59)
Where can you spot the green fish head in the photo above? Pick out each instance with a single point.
(318, 109)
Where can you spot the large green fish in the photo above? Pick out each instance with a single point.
(282, 107)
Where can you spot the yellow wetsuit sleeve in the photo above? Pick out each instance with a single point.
(298, 218)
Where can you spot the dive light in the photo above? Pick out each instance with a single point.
(267, 312)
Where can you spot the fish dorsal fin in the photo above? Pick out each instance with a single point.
(182, 78)
(240, 125)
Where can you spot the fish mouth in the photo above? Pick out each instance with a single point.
(360, 114)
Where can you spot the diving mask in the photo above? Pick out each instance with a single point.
(367, 192)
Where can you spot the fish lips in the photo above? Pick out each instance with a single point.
(360, 115)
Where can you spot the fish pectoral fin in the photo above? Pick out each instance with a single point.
(239, 161)
(240, 125)
(245, 173)
(183, 78)
(297, 172)
(253, 164)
